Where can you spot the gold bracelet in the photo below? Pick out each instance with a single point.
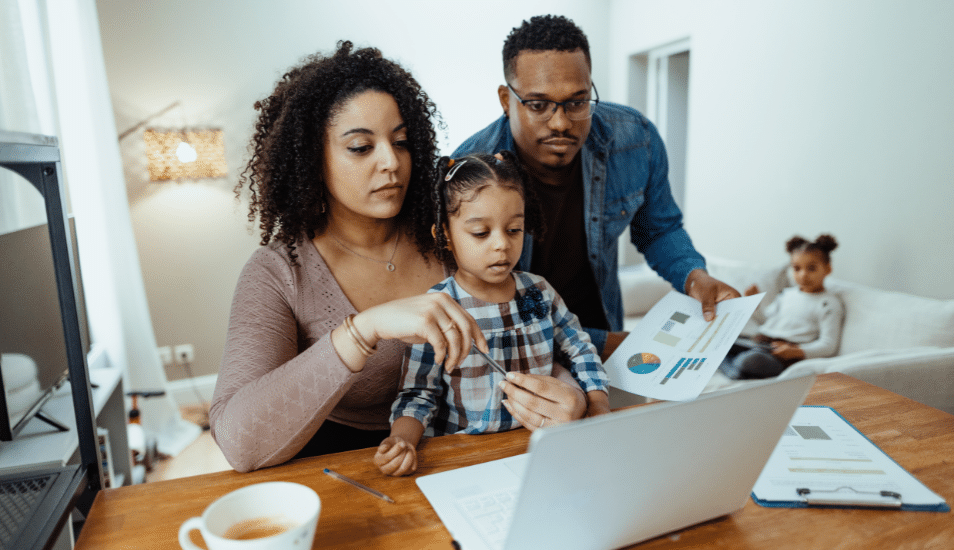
(367, 350)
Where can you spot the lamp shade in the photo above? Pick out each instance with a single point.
(185, 154)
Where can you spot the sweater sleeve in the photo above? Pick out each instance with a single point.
(269, 399)
(832, 315)
(421, 388)
(763, 312)
(657, 228)
(574, 345)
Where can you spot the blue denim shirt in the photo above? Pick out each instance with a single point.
(625, 182)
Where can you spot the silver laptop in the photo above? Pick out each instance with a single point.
(618, 479)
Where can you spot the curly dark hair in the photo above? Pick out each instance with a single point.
(542, 33)
(824, 244)
(285, 172)
(474, 173)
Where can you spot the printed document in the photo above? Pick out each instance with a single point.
(673, 352)
(823, 459)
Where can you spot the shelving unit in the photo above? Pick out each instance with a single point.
(40, 442)
(38, 491)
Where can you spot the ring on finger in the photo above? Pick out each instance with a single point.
(543, 419)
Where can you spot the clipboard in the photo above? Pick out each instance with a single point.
(823, 461)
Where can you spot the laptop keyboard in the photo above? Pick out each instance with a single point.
(490, 514)
(19, 500)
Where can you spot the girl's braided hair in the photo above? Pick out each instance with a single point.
(469, 176)
(824, 244)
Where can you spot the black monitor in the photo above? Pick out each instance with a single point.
(33, 363)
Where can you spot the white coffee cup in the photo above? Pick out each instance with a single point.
(259, 509)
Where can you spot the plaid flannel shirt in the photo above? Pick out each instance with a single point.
(526, 334)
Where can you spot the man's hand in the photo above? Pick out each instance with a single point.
(708, 290)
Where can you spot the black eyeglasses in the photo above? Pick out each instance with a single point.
(542, 110)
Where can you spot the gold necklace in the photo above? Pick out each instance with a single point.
(389, 264)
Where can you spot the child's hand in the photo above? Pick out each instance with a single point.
(787, 351)
(396, 457)
(752, 290)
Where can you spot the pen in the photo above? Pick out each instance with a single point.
(492, 363)
(338, 476)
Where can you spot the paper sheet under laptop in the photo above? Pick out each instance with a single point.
(673, 352)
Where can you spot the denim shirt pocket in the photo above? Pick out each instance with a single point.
(618, 212)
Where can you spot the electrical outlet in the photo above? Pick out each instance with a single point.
(165, 355)
(184, 353)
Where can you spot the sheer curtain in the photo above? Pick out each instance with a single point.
(58, 42)
(20, 205)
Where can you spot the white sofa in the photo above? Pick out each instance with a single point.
(896, 341)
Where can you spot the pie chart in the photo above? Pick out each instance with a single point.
(643, 363)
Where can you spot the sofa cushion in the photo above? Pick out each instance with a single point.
(925, 374)
(879, 319)
(641, 288)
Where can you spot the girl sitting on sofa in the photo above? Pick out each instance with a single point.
(804, 322)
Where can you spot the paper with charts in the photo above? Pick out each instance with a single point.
(673, 352)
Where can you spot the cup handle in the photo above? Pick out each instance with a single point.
(190, 525)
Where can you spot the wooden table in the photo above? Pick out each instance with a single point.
(919, 438)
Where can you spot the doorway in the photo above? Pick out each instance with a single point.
(659, 88)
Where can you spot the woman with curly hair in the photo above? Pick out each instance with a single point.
(341, 160)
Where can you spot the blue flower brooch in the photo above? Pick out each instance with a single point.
(531, 305)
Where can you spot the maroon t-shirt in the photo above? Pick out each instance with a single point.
(562, 258)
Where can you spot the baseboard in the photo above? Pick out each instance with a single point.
(185, 391)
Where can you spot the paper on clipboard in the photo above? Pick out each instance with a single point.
(673, 351)
(823, 460)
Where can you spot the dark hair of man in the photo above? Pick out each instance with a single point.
(474, 174)
(823, 245)
(543, 33)
(285, 174)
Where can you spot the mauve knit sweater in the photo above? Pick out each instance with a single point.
(281, 377)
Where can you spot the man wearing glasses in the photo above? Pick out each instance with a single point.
(597, 168)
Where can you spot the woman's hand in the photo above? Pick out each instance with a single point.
(434, 318)
(396, 457)
(537, 401)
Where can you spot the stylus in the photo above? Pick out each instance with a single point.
(365, 488)
(492, 363)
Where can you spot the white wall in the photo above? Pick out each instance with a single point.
(805, 117)
(218, 57)
(814, 116)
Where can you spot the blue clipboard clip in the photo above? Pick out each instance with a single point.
(848, 496)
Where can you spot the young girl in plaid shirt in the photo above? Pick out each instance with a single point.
(482, 210)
